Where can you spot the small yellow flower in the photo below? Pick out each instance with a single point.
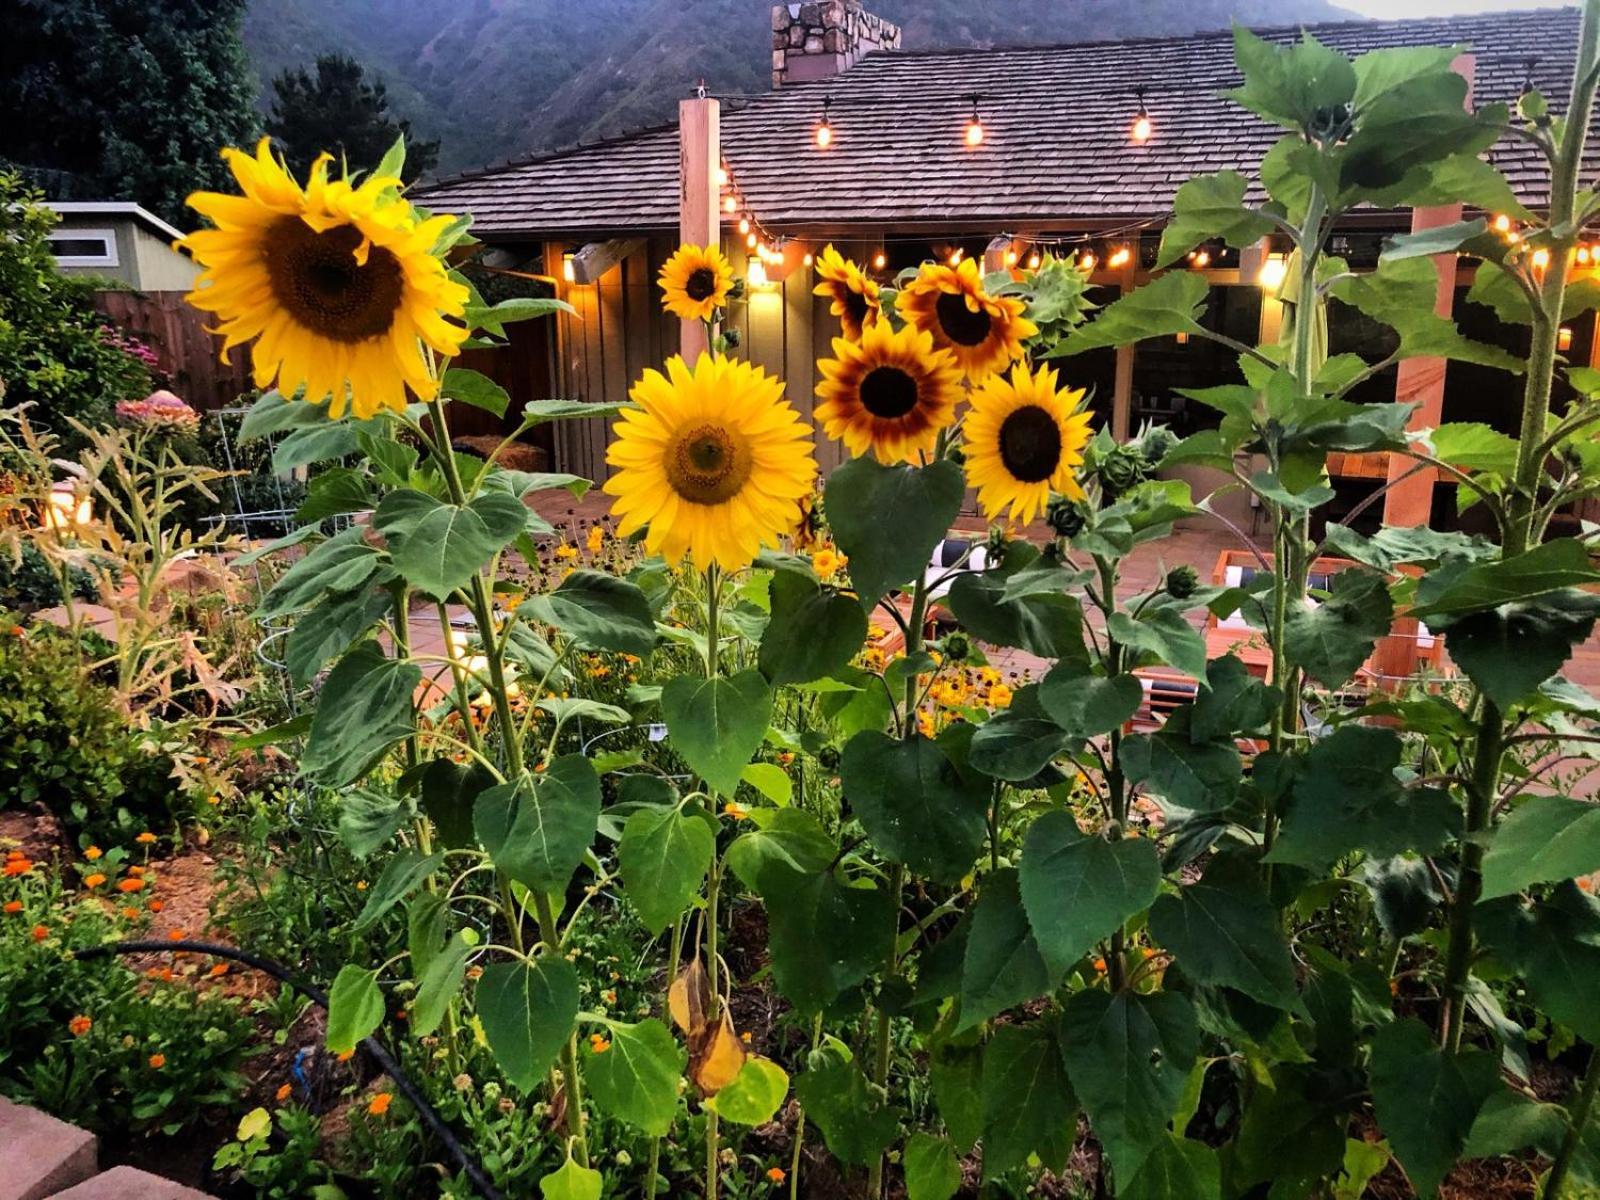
(999, 696)
(566, 552)
(146, 838)
(735, 811)
(826, 563)
(597, 539)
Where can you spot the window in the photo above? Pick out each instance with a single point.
(84, 247)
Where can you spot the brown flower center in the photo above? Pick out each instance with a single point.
(316, 278)
(1030, 444)
(708, 465)
(960, 324)
(888, 392)
(702, 284)
(856, 307)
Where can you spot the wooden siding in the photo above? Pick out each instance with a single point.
(187, 350)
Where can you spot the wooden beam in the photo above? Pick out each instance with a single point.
(595, 259)
(699, 221)
(1122, 388)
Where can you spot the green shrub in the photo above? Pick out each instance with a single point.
(65, 743)
(31, 583)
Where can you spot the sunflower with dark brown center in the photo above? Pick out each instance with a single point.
(852, 294)
(695, 282)
(985, 333)
(890, 393)
(338, 287)
(1023, 439)
(713, 463)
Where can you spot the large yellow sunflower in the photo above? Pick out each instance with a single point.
(695, 282)
(890, 393)
(984, 332)
(853, 293)
(337, 286)
(713, 461)
(1023, 439)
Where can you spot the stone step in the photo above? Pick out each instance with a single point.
(129, 1183)
(39, 1155)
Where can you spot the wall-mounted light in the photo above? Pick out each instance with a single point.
(1142, 129)
(1564, 338)
(756, 274)
(824, 132)
(568, 272)
(975, 132)
(1272, 274)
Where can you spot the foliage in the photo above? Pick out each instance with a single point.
(30, 582)
(341, 111)
(56, 353)
(126, 99)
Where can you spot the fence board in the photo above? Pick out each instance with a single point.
(187, 351)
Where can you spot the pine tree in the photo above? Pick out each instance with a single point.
(341, 110)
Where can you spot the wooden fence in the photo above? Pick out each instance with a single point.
(188, 352)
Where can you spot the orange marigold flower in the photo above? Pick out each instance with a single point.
(130, 913)
(133, 884)
(379, 1104)
(175, 935)
(218, 970)
(1100, 965)
(94, 880)
(157, 1061)
(93, 852)
(155, 905)
(79, 1026)
(17, 866)
(40, 932)
(283, 1093)
(736, 811)
(599, 1043)
(776, 1174)
(346, 1055)
(146, 838)
(136, 872)
(13, 906)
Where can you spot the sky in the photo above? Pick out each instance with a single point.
(1433, 8)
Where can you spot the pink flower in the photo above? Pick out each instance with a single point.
(159, 412)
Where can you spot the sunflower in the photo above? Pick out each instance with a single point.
(890, 393)
(713, 461)
(337, 286)
(853, 293)
(695, 282)
(1023, 437)
(984, 332)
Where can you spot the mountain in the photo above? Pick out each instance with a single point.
(498, 78)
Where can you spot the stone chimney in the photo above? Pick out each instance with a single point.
(818, 38)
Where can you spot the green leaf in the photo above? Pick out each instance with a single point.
(340, 490)
(1546, 568)
(572, 1182)
(527, 1011)
(364, 708)
(824, 935)
(439, 547)
(1085, 705)
(888, 519)
(537, 412)
(1128, 1057)
(1028, 1105)
(1170, 304)
(1547, 840)
(717, 725)
(1293, 85)
(914, 805)
(321, 442)
(597, 611)
(1333, 639)
(427, 926)
(636, 1079)
(1401, 294)
(1224, 931)
(955, 1073)
(1077, 887)
(1017, 743)
(1176, 1169)
(931, 1169)
(341, 564)
(368, 819)
(1475, 447)
(1510, 650)
(537, 828)
(789, 838)
(438, 984)
(273, 412)
(1164, 633)
(1202, 776)
(1426, 1099)
(771, 780)
(475, 388)
(1232, 702)
(1049, 624)
(813, 632)
(1211, 206)
(754, 1095)
(1003, 964)
(856, 1123)
(448, 790)
(355, 1007)
(329, 628)
(402, 874)
(664, 855)
(1440, 239)
(1392, 546)
(1556, 947)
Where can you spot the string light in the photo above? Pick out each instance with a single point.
(1183, 337)
(1086, 261)
(750, 240)
(722, 177)
(975, 133)
(809, 258)
(1502, 224)
(825, 126)
(1200, 258)
(1120, 257)
(1541, 259)
(880, 260)
(1011, 258)
(955, 257)
(731, 204)
(744, 224)
(1583, 256)
(1143, 129)
(1033, 262)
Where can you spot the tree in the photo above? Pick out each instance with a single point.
(340, 109)
(125, 99)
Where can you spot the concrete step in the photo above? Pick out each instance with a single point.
(129, 1183)
(39, 1155)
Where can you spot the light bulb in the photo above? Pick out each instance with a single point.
(744, 224)
(756, 273)
(1119, 257)
(974, 132)
(1142, 129)
(1502, 224)
(808, 259)
(722, 177)
(1011, 258)
(1203, 259)
(1272, 273)
(824, 134)
(1564, 338)
(1033, 262)
(568, 272)
(731, 204)
(750, 240)
(879, 261)
(1086, 262)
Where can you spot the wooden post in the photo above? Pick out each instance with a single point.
(699, 216)
(1122, 388)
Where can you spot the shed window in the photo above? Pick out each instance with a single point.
(84, 247)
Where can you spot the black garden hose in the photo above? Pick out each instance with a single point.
(380, 1054)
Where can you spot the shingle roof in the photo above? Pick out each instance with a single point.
(1056, 153)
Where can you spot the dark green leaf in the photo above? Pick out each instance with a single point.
(824, 935)
(1028, 1105)
(537, 828)
(340, 490)
(1003, 965)
(1426, 1099)
(402, 874)
(448, 791)
(1207, 207)
(932, 1172)
(475, 388)
(717, 725)
(1170, 304)
(1556, 946)
(1233, 702)
(1510, 650)
(1016, 743)
(437, 984)
(527, 1011)
(364, 708)
(1077, 887)
(1224, 931)
(1164, 633)
(664, 855)
(856, 1123)
(329, 628)
(913, 804)
(1547, 840)
(598, 611)
(1176, 1169)
(1334, 638)
(1085, 705)
(789, 837)
(1546, 568)
(355, 1007)
(887, 520)
(439, 547)
(342, 564)
(1204, 777)
(814, 630)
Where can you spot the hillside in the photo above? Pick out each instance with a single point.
(497, 78)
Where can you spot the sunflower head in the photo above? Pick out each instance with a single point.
(890, 393)
(713, 463)
(1024, 438)
(695, 282)
(338, 288)
(852, 293)
(984, 332)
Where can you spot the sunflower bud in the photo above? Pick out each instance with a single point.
(1064, 517)
(1181, 582)
(1156, 444)
(1123, 467)
(828, 758)
(956, 647)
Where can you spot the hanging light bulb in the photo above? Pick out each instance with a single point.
(1119, 257)
(955, 257)
(880, 260)
(722, 177)
(825, 126)
(1502, 224)
(731, 204)
(750, 240)
(975, 132)
(1540, 259)
(1033, 261)
(1011, 258)
(1087, 261)
(809, 258)
(1143, 129)
(744, 224)
(756, 273)
(1583, 256)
